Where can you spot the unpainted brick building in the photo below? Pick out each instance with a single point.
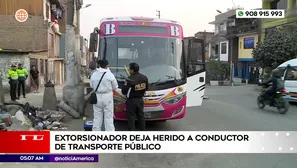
(35, 41)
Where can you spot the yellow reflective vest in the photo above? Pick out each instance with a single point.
(22, 72)
(12, 74)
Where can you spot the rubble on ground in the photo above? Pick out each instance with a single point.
(16, 116)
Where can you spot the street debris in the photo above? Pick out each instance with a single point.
(28, 117)
(65, 107)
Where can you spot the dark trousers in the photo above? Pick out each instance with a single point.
(22, 84)
(134, 110)
(270, 91)
(13, 89)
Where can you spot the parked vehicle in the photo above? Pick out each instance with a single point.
(289, 69)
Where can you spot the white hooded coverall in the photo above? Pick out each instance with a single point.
(104, 107)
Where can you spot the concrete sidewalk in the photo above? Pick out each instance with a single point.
(36, 99)
(247, 89)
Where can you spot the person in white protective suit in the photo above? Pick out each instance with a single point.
(103, 110)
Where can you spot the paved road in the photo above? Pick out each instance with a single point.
(228, 109)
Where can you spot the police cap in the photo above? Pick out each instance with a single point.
(134, 66)
(103, 63)
(12, 65)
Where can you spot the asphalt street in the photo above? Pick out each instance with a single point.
(228, 109)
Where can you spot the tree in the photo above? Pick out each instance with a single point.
(278, 46)
(218, 70)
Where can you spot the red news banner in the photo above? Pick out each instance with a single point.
(25, 142)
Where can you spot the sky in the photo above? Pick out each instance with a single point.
(194, 15)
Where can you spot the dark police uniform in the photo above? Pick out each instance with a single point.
(134, 88)
(13, 77)
(23, 75)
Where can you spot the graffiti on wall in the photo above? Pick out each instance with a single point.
(7, 59)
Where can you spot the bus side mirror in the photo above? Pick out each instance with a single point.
(93, 42)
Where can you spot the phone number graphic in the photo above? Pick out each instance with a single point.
(260, 13)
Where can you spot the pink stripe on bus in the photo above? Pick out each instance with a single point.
(139, 24)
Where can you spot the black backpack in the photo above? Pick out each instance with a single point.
(280, 84)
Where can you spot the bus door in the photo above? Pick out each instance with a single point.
(195, 59)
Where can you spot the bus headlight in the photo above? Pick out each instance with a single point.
(175, 99)
(118, 101)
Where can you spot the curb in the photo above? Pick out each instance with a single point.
(205, 97)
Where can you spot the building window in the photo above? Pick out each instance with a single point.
(224, 48)
(279, 4)
(248, 43)
(47, 11)
(223, 27)
(273, 5)
(216, 49)
(282, 4)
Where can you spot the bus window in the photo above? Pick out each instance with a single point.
(291, 74)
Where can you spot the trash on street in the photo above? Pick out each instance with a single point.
(33, 118)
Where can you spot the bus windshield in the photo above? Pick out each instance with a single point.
(160, 59)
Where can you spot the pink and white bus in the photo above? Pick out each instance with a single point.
(176, 71)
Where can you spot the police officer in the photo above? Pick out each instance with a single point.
(12, 75)
(134, 88)
(23, 75)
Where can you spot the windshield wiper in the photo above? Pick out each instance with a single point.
(166, 81)
(171, 77)
(123, 77)
(155, 83)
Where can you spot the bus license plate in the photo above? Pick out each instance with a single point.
(148, 115)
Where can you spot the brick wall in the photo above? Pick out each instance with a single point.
(27, 36)
(6, 59)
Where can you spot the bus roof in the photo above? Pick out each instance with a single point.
(292, 62)
(135, 18)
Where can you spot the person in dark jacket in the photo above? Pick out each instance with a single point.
(23, 75)
(93, 67)
(134, 88)
(34, 74)
(277, 83)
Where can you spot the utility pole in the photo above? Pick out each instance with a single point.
(73, 93)
(219, 41)
(70, 44)
(159, 14)
(231, 65)
(78, 47)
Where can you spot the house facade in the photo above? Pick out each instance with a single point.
(290, 19)
(244, 35)
(35, 41)
(207, 37)
(219, 46)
